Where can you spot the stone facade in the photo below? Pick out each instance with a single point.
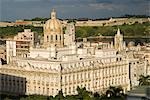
(47, 77)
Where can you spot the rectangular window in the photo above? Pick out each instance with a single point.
(56, 37)
(47, 39)
(51, 37)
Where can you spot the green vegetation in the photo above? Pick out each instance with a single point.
(135, 16)
(144, 80)
(136, 29)
(37, 19)
(71, 21)
(113, 93)
(10, 31)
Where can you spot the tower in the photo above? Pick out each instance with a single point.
(69, 36)
(118, 41)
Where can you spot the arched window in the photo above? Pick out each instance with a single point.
(60, 37)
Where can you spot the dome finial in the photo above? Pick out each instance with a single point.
(53, 10)
(53, 14)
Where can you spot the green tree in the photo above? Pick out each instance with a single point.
(35, 97)
(96, 96)
(144, 80)
(60, 96)
(83, 94)
(71, 97)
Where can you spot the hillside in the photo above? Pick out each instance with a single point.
(135, 29)
(10, 31)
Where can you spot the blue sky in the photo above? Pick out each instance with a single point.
(26, 9)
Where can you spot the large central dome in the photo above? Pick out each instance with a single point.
(53, 25)
(53, 32)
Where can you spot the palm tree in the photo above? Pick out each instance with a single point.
(144, 80)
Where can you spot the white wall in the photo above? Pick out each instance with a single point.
(10, 49)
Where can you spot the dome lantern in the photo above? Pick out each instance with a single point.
(53, 14)
(53, 31)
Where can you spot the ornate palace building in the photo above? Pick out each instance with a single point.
(60, 63)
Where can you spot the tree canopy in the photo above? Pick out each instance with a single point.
(136, 29)
(10, 31)
(144, 80)
(82, 94)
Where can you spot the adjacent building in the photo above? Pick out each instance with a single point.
(19, 46)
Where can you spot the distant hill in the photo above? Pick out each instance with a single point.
(136, 29)
(86, 19)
